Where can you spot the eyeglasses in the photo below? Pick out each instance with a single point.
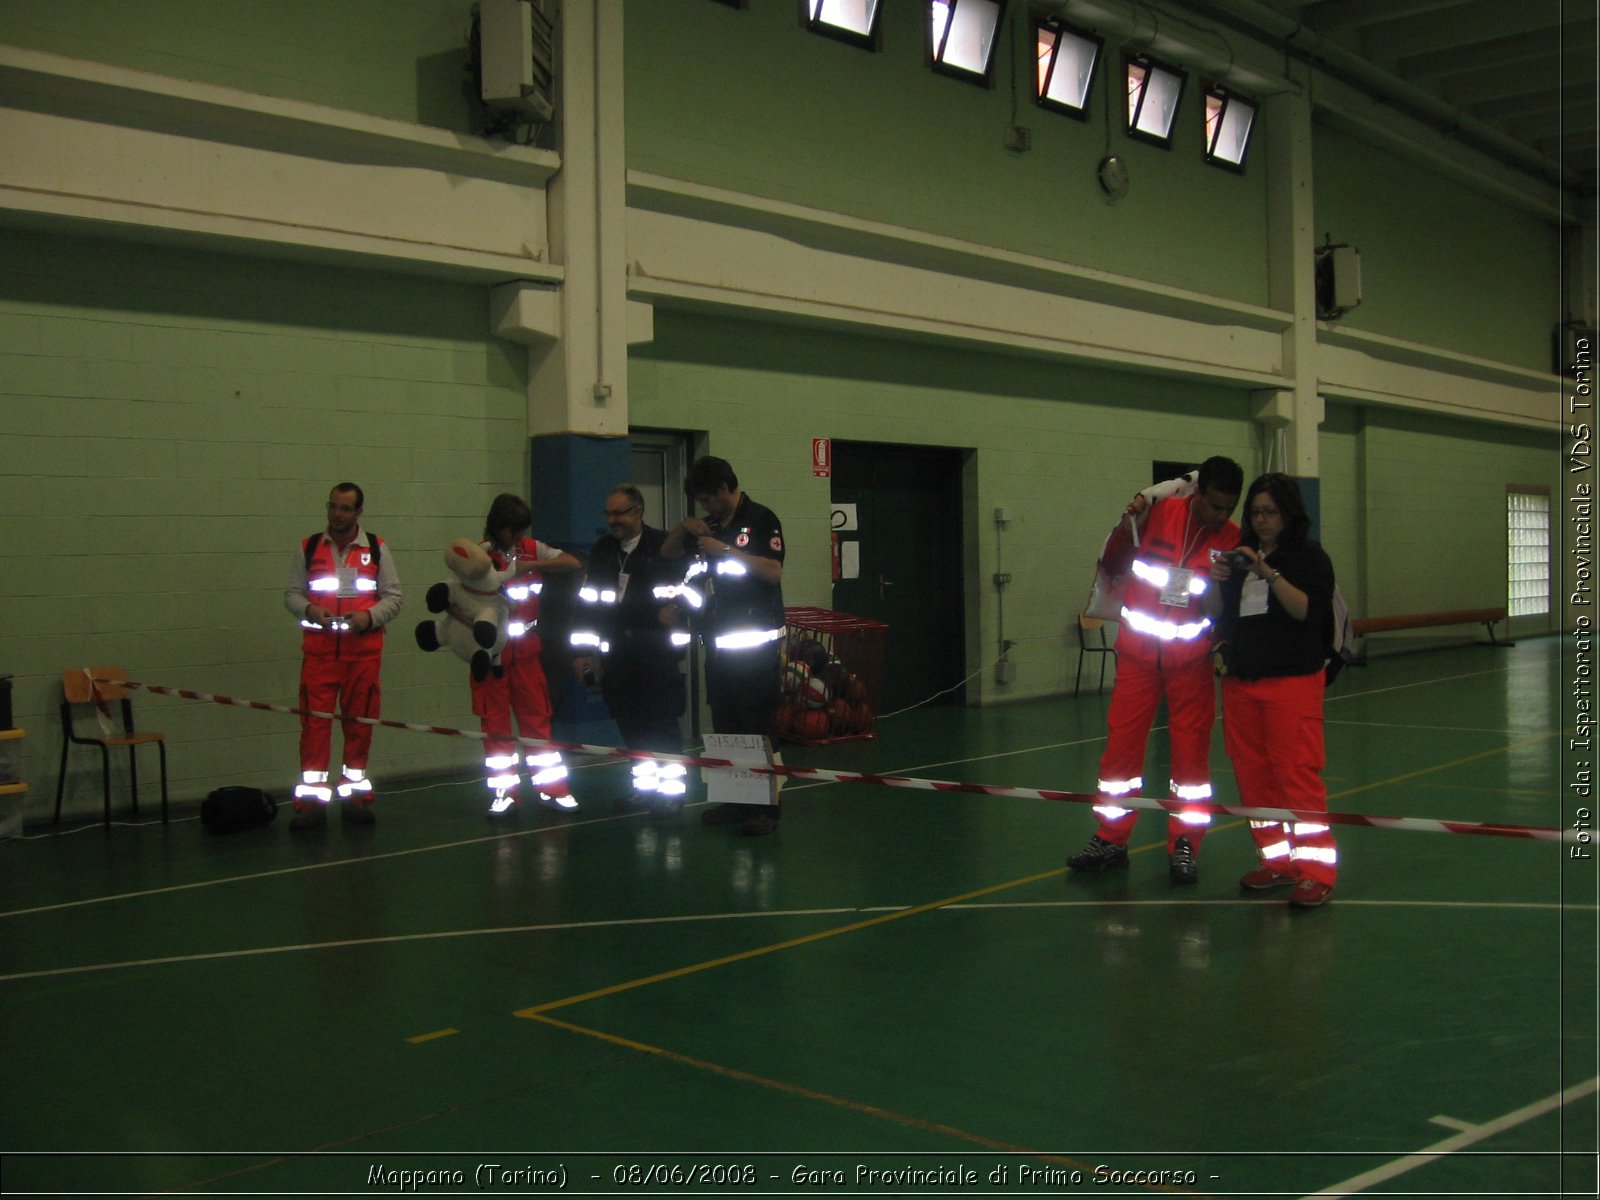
(621, 512)
(1262, 512)
(350, 508)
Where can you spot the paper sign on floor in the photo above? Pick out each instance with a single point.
(736, 786)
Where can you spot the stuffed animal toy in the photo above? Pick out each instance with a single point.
(473, 589)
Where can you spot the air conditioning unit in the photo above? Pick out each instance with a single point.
(516, 58)
(1338, 281)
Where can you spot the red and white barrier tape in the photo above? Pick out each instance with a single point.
(1418, 824)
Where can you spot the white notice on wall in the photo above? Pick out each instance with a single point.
(731, 785)
(850, 560)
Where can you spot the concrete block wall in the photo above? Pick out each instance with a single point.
(174, 422)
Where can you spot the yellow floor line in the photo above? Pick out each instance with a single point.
(793, 1089)
(695, 968)
(431, 1037)
(1444, 766)
(537, 1010)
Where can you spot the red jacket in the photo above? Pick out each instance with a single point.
(1164, 620)
(522, 592)
(356, 591)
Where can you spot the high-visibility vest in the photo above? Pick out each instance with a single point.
(342, 587)
(522, 592)
(1163, 612)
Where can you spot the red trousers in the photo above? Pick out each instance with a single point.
(1273, 731)
(1190, 693)
(521, 692)
(348, 686)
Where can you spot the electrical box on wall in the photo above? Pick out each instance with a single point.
(1338, 281)
(516, 52)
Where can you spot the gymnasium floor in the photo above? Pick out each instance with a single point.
(899, 981)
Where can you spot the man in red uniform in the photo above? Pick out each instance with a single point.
(1164, 652)
(519, 688)
(343, 589)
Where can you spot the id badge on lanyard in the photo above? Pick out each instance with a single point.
(1176, 592)
(1253, 597)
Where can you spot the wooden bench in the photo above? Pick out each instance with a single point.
(1487, 617)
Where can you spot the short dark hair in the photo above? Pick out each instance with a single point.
(708, 475)
(634, 495)
(1285, 493)
(507, 512)
(361, 497)
(1220, 474)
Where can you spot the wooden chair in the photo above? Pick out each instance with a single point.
(1092, 640)
(101, 687)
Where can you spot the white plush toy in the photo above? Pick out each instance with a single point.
(474, 590)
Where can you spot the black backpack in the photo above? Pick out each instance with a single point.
(232, 809)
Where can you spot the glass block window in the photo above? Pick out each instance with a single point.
(1528, 552)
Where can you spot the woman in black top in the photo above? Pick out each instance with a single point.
(1274, 620)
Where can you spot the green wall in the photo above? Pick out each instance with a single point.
(1414, 510)
(1063, 446)
(173, 423)
(1435, 508)
(749, 100)
(1440, 264)
(403, 61)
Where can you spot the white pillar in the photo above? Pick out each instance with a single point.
(1297, 410)
(578, 335)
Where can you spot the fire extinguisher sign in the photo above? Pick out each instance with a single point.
(822, 457)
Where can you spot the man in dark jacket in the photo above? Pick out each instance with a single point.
(737, 570)
(626, 622)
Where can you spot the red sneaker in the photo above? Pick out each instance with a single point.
(1264, 879)
(1308, 893)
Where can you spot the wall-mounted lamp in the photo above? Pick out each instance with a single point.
(1154, 89)
(854, 21)
(961, 37)
(1066, 60)
(1229, 120)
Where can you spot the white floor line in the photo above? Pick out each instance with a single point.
(1469, 1136)
(692, 918)
(789, 787)
(1400, 687)
(1452, 1123)
(340, 862)
(1190, 902)
(1442, 728)
(439, 935)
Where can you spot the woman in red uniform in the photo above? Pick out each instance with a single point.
(1275, 620)
(519, 689)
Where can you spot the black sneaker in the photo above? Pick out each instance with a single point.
(1099, 855)
(1180, 863)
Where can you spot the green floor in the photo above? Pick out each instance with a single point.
(899, 981)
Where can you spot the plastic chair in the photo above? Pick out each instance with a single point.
(1092, 640)
(101, 686)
